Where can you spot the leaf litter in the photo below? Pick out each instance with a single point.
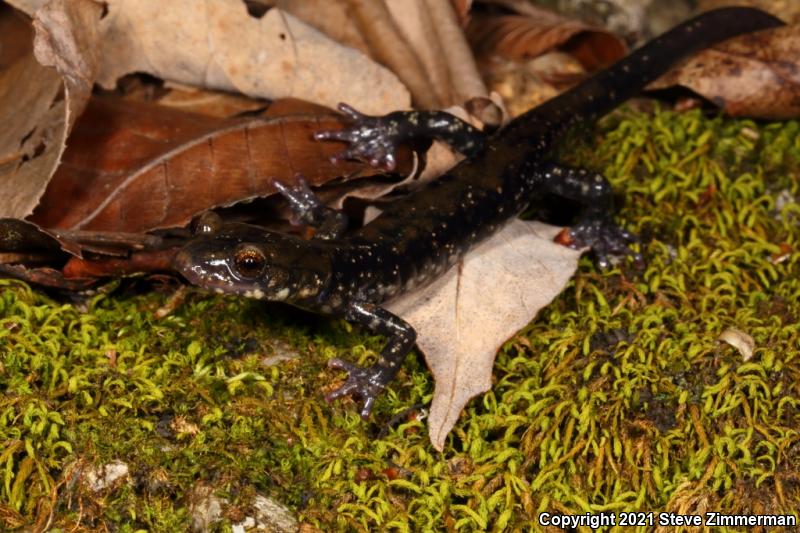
(38, 104)
(216, 44)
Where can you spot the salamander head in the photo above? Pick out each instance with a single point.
(254, 262)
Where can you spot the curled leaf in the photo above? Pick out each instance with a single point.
(536, 31)
(39, 104)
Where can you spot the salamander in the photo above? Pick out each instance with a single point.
(418, 238)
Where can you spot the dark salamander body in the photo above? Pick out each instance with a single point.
(419, 237)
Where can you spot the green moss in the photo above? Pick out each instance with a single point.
(616, 398)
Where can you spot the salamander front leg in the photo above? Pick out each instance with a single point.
(375, 139)
(596, 227)
(308, 209)
(366, 383)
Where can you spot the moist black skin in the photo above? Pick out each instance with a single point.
(421, 236)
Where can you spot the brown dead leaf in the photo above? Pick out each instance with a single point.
(16, 36)
(755, 75)
(535, 31)
(38, 104)
(137, 262)
(19, 236)
(462, 8)
(218, 45)
(459, 328)
(46, 277)
(135, 166)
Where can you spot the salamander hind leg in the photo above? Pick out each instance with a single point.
(366, 383)
(375, 139)
(308, 209)
(595, 227)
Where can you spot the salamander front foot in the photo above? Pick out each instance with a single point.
(364, 383)
(604, 237)
(372, 139)
(308, 209)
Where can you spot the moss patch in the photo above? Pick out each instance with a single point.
(616, 398)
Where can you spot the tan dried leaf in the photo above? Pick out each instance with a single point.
(461, 323)
(216, 44)
(740, 340)
(413, 18)
(755, 75)
(334, 19)
(36, 118)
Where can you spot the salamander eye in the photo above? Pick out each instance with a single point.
(250, 261)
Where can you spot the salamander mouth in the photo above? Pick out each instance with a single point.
(207, 272)
(182, 262)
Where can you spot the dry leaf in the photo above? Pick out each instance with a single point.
(387, 44)
(460, 326)
(422, 41)
(464, 75)
(334, 19)
(46, 277)
(36, 118)
(16, 35)
(417, 27)
(216, 44)
(740, 340)
(136, 166)
(755, 75)
(21, 237)
(535, 31)
(462, 8)
(222, 47)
